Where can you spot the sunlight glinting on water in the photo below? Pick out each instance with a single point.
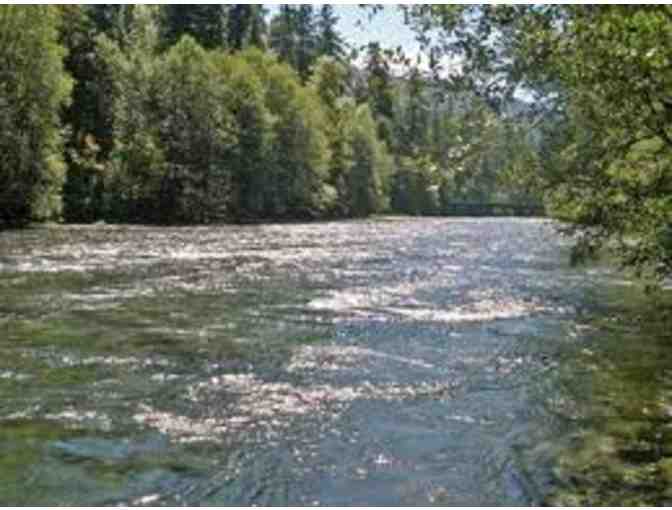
(331, 357)
(341, 354)
(269, 405)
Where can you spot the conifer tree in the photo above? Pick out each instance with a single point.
(379, 90)
(329, 41)
(282, 34)
(306, 40)
(293, 36)
(207, 24)
(246, 26)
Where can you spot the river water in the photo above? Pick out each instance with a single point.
(383, 362)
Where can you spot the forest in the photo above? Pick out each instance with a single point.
(195, 114)
(224, 113)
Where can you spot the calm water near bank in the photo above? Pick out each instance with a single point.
(384, 362)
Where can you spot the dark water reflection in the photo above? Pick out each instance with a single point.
(401, 361)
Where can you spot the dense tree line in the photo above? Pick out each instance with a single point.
(202, 113)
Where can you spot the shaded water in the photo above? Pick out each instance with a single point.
(397, 361)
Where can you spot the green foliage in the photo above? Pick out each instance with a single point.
(89, 115)
(414, 190)
(620, 83)
(294, 38)
(299, 154)
(329, 41)
(600, 149)
(207, 24)
(174, 128)
(180, 115)
(413, 119)
(380, 94)
(136, 161)
(451, 148)
(246, 26)
(330, 81)
(33, 89)
(369, 167)
(281, 35)
(250, 169)
(204, 135)
(196, 133)
(306, 40)
(360, 164)
(604, 152)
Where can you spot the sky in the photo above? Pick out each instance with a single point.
(386, 27)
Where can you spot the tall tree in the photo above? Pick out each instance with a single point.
(259, 28)
(329, 41)
(33, 89)
(380, 93)
(282, 37)
(246, 26)
(207, 24)
(175, 128)
(306, 40)
(194, 107)
(137, 159)
(293, 37)
(369, 165)
(330, 81)
(299, 153)
(414, 122)
(89, 116)
(250, 155)
(109, 19)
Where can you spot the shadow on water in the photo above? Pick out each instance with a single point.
(415, 362)
(618, 396)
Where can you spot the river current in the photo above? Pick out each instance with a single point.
(393, 361)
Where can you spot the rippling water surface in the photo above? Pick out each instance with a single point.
(395, 361)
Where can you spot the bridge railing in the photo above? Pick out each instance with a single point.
(492, 209)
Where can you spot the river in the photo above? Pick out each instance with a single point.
(394, 361)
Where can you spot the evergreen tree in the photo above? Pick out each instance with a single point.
(416, 121)
(329, 41)
(207, 24)
(259, 29)
(293, 37)
(282, 34)
(246, 26)
(380, 90)
(109, 19)
(306, 40)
